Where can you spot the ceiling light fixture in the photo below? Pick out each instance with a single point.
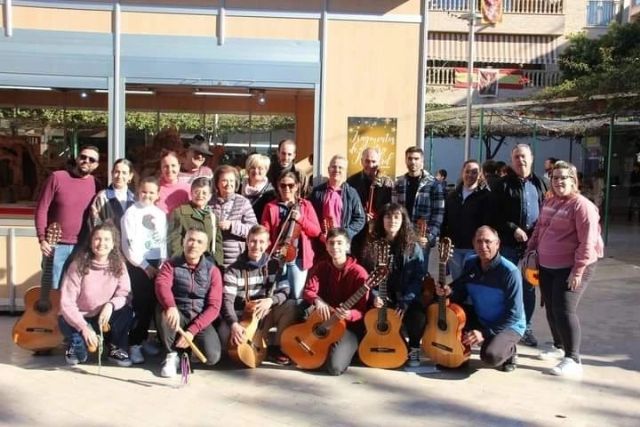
(131, 91)
(27, 88)
(230, 94)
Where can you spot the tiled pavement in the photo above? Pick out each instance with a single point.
(43, 391)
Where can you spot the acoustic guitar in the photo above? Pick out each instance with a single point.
(383, 345)
(37, 329)
(252, 350)
(442, 338)
(308, 343)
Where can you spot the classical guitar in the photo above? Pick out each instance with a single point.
(252, 350)
(37, 329)
(383, 345)
(308, 343)
(442, 339)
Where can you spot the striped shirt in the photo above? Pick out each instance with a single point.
(249, 276)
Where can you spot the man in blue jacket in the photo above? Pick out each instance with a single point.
(496, 320)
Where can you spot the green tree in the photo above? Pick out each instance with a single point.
(604, 66)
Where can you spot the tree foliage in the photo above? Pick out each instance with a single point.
(608, 65)
(149, 121)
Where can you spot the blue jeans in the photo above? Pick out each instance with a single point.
(60, 257)
(456, 263)
(120, 323)
(296, 277)
(528, 291)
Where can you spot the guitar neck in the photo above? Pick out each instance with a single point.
(46, 282)
(353, 299)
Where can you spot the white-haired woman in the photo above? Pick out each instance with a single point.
(256, 185)
(567, 239)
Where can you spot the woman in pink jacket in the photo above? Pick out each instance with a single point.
(95, 294)
(567, 239)
(302, 213)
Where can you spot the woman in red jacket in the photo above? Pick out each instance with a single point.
(290, 206)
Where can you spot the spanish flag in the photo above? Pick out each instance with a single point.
(491, 11)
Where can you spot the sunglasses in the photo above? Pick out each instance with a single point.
(85, 158)
(289, 186)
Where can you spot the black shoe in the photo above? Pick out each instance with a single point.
(529, 339)
(511, 364)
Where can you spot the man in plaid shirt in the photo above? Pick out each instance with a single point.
(423, 196)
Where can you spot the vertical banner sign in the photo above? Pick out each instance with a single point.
(372, 132)
(491, 11)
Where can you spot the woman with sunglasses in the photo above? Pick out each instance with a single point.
(300, 214)
(567, 239)
(111, 202)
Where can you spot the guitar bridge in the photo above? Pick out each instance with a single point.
(40, 330)
(385, 350)
(304, 346)
(442, 347)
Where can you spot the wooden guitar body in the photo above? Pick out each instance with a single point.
(442, 342)
(252, 351)
(308, 343)
(383, 345)
(37, 329)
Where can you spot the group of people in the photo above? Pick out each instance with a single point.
(193, 248)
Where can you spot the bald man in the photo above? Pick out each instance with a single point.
(369, 180)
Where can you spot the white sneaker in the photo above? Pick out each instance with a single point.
(170, 365)
(413, 360)
(567, 368)
(135, 354)
(151, 348)
(551, 353)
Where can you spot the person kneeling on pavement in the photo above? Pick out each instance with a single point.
(189, 292)
(496, 320)
(95, 297)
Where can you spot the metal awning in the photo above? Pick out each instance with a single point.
(495, 48)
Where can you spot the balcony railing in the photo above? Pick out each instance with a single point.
(535, 7)
(600, 13)
(445, 76)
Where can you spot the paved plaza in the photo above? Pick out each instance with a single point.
(38, 391)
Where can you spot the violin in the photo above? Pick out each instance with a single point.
(285, 250)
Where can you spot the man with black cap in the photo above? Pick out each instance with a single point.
(193, 166)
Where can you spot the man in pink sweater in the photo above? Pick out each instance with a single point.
(64, 199)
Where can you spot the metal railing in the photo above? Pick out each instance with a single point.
(600, 13)
(530, 7)
(446, 76)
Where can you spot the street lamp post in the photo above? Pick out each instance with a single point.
(471, 17)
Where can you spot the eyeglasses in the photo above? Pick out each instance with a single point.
(289, 186)
(561, 177)
(485, 241)
(85, 158)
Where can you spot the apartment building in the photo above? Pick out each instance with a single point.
(521, 51)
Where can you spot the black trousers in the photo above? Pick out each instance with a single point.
(561, 305)
(206, 340)
(495, 349)
(414, 322)
(144, 302)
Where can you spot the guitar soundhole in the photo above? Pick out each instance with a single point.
(383, 326)
(320, 331)
(42, 306)
(442, 325)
